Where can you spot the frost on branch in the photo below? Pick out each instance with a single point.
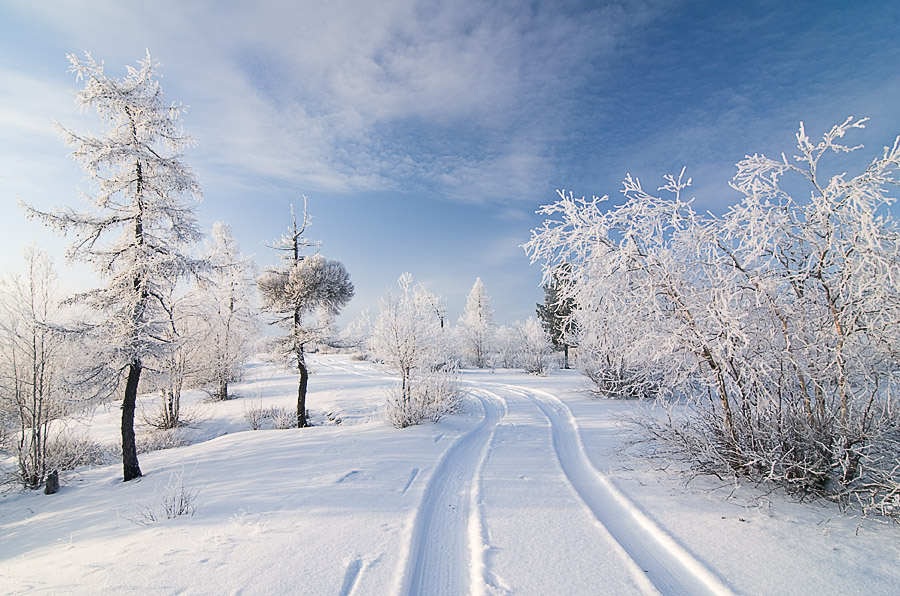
(476, 326)
(409, 337)
(298, 291)
(779, 319)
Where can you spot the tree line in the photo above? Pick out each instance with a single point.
(173, 312)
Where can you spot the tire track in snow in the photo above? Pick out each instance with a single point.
(442, 559)
(670, 568)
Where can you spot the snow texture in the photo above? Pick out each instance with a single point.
(530, 490)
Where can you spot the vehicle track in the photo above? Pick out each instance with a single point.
(440, 558)
(670, 568)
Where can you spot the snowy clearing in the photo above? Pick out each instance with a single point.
(528, 491)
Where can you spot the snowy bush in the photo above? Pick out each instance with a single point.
(157, 440)
(176, 499)
(536, 351)
(431, 397)
(282, 417)
(780, 319)
(70, 450)
(507, 347)
(254, 415)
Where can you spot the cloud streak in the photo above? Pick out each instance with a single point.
(315, 93)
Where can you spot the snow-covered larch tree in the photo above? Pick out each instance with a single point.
(140, 179)
(299, 293)
(476, 325)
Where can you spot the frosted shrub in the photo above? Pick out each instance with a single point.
(70, 450)
(780, 320)
(536, 355)
(615, 372)
(254, 415)
(176, 499)
(431, 398)
(157, 440)
(506, 347)
(283, 417)
(280, 416)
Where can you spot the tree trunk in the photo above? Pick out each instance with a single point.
(130, 465)
(301, 390)
(566, 356)
(223, 389)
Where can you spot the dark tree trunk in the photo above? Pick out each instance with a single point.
(301, 391)
(223, 389)
(130, 465)
(566, 356)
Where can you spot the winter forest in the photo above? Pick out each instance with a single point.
(695, 390)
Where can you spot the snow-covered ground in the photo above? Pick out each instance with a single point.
(529, 491)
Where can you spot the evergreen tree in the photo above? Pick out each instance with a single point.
(555, 314)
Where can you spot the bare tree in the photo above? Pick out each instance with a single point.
(137, 170)
(32, 361)
(298, 291)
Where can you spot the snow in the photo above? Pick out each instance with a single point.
(531, 490)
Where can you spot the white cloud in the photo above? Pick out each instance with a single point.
(309, 91)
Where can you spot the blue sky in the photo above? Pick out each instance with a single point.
(426, 134)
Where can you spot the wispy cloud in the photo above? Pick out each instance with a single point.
(352, 95)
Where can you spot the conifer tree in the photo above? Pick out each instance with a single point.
(139, 177)
(296, 292)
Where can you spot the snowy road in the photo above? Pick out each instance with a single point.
(455, 541)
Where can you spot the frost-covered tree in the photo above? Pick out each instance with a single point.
(180, 366)
(228, 322)
(408, 337)
(298, 293)
(32, 365)
(139, 179)
(507, 347)
(476, 325)
(555, 313)
(535, 347)
(781, 318)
